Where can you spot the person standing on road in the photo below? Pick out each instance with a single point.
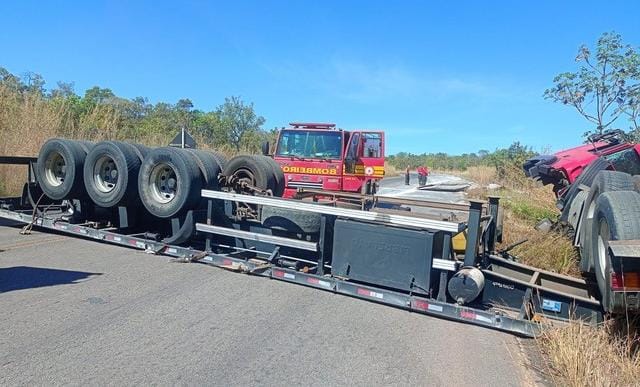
(423, 172)
(406, 175)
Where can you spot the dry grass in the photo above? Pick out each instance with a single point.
(24, 126)
(483, 175)
(580, 355)
(575, 354)
(524, 204)
(390, 170)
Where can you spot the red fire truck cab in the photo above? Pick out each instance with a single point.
(320, 156)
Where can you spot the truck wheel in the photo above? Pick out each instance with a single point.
(209, 168)
(278, 175)
(585, 178)
(605, 181)
(298, 222)
(111, 174)
(169, 182)
(59, 169)
(617, 217)
(220, 158)
(636, 182)
(141, 150)
(86, 145)
(246, 169)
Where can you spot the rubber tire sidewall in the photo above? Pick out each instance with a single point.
(209, 168)
(188, 182)
(276, 170)
(621, 211)
(73, 154)
(293, 221)
(263, 176)
(587, 177)
(605, 181)
(128, 164)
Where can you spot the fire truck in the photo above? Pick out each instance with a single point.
(319, 156)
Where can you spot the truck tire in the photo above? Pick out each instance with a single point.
(220, 158)
(59, 169)
(617, 217)
(585, 178)
(278, 175)
(297, 222)
(247, 169)
(605, 181)
(169, 182)
(141, 150)
(111, 174)
(86, 145)
(209, 168)
(636, 182)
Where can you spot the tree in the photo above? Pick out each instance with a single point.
(183, 108)
(238, 120)
(606, 85)
(64, 90)
(34, 83)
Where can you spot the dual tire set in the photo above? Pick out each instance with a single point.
(166, 181)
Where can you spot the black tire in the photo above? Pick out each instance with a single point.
(246, 168)
(209, 168)
(585, 178)
(141, 150)
(111, 174)
(278, 175)
(220, 158)
(636, 182)
(617, 217)
(297, 222)
(169, 182)
(86, 145)
(59, 169)
(605, 181)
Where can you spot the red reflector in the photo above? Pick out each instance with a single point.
(625, 281)
(132, 243)
(421, 305)
(467, 314)
(227, 262)
(314, 281)
(278, 273)
(363, 292)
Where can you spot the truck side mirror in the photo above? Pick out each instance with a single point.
(265, 148)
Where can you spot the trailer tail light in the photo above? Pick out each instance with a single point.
(625, 282)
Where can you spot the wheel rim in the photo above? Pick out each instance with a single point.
(602, 247)
(164, 183)
(245, 176)
(55, 170)
(105, 174)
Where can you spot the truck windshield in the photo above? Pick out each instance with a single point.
(310, 144)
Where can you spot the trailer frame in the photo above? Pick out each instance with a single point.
(519, 302)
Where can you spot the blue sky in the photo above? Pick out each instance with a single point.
(436, 76)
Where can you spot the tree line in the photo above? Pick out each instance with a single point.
(99, 113)
(503, 159)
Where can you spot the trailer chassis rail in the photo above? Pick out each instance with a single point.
(421, 305)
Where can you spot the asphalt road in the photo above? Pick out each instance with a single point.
(79, 312)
